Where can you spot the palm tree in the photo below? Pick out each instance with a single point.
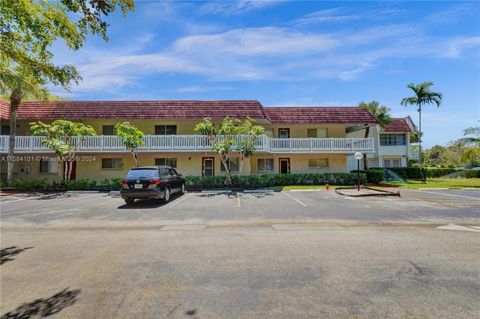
(381, 115)
(470, 145)
(17, 86)
(423, 96)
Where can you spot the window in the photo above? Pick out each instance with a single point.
(165, 130)
(233, 165)
(112, 163)
(392, 139)
(142, 173)
(172, 162)
(393, 162)
(48, 166)
(318, 163)
(265, 165)
(317, 132)
(284, 133)
(5, 129)
(108, 130)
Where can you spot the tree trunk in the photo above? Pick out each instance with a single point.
(422, 177)
(242, 159)
(70, 169)
(367, 132)
(228, 177)
(65, 171)
(135, 158)
(15, 100)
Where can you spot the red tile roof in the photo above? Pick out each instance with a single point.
(316, 115)
(4, 109)
(75, 110)
(398, 125)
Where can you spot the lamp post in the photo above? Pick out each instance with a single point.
(358, 156)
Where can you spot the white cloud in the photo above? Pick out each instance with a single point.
(236, 7)
(255, 42)
(200, 89)
(268, 53)
(328, 15)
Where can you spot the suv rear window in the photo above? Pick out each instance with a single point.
(164, 172)
(142, 173)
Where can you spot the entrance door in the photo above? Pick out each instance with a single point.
(73, 172)
(284, 165)
(208, 166)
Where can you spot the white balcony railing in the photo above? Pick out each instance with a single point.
(196, 143)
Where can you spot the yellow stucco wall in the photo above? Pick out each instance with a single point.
(334, 130)
(187, 163)
(299, 162)
(185, 127)
(90, 165)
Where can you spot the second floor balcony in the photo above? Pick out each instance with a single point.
(195, 143)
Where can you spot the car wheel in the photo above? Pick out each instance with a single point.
(182, 189)
(129, 201)
(166, 196)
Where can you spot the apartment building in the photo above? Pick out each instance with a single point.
(296, 139)
(392, 144)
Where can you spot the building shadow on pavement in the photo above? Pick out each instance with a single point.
(6, 254)
(149, 203)
(40, 308)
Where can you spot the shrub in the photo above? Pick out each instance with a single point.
(431, 172)
(3, 184)
(269, 180)
(30, 184)
(110, 183)
(374, 176)
(80, 184)
(471, 173)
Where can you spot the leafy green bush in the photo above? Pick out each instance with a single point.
(110, 183)
(3, 184)
(80, 184)
(30, 184)
(269, 180)
(471, 173)
(374, 176)
(430, 172)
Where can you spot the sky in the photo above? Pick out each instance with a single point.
(290, 53)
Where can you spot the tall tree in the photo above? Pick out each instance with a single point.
(422, 96)
(381, 115)
(28, 28)
(131, 137)
(63, 138)
(232, 137)
(470, 146)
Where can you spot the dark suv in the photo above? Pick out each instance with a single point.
(157, 182)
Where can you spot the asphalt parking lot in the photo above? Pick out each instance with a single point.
(102, 209)
(312, 254)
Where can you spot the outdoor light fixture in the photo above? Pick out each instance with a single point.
(358, 156)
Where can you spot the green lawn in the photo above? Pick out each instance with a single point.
(439, 183)
(301, 187)
(431, 183)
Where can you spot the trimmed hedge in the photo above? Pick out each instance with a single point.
(30, 184)
(78, 184)
(269, 180)
(374, 176)
(414, 172)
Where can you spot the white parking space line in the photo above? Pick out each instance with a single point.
(454, 195)
(180, 200)
(17, 200)
(238, 200)
(295, 199)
